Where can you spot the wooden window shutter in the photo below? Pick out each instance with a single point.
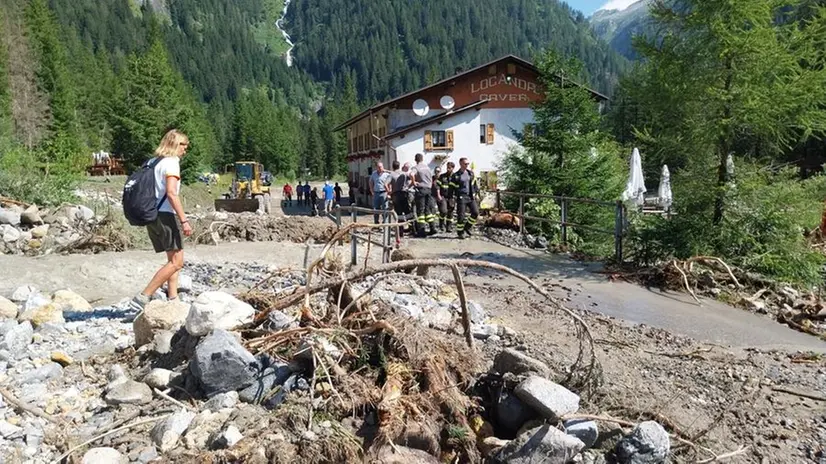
(449, 139)
(428, 141)
(490, 133)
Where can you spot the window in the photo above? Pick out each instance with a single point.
(483, 134)
(439, 139)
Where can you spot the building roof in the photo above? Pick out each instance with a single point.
(525, 63)
(439, 117)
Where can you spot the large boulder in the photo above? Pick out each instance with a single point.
(15, 338)
(517, 362)
(22, 294)
(71, 301)
(158, 316)
(542, 445)
(104, 456)
(126, 391)
(586, 430)
(404, 455)
(217, 310)
(9, 216)
(166, 433)
(269, 377)
(8, 309)
(648, 443)
(9, 233)
(39, 315)
(31, 216)
(549, 399)
(221, 364)
(40, 231)
(512, 413)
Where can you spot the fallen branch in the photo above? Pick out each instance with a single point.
(460, 286)
(800, 393)
(720, 457)
(355, 276)
(28, 408)
(685, 282)
(98, 437)
(722, 263)
(170, 399)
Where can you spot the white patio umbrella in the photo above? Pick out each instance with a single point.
(664, 194)
(635, 189)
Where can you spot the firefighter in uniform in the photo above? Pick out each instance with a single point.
(425, 211)
(445, 199)
(465, 187)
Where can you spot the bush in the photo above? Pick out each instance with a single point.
(22, 180)
(767, 215)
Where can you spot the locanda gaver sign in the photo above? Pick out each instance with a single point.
(499, 94)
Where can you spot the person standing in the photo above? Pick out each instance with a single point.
(288, 194)
(299, 193)
(165, 232)
(425, 215)
(466, 189)
(445, 199)
(313, 196)
(379, 188)
(329, 196)
(399, 183)
(337, 190)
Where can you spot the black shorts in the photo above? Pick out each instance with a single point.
(165, 233)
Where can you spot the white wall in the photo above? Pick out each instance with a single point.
(466, 143)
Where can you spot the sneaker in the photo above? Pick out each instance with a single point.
(138, 302)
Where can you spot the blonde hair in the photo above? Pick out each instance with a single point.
(171, 143)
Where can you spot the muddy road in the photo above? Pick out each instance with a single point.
(109, 277)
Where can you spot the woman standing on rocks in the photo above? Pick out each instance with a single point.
(165, 233)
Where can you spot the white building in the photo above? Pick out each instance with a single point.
(473, 114)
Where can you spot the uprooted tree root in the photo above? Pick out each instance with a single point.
(413, 380)
(711, 276)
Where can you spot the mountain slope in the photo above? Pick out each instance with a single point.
(618, 27)
(394, 46)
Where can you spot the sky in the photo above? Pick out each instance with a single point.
(590, 6)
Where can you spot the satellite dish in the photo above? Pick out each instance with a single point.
(447, 102)
(420, 107)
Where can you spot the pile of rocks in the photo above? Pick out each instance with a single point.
(188, 382)
(32, 230)
(541, 416)
(221, 226)
(514, 239)
(436, 305)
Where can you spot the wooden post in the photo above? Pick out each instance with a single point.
(498, 201)
(353, 245)
(338, 223)
(564, 220)
(618, 229)
(521, 214)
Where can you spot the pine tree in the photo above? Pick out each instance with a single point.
(749, 80)
(565, 153)
(64, 147)
(152, 98)
(5, 94)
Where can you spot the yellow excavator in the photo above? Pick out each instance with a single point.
(249, 191)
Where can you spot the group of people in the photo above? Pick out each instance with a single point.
(308, 196)
(428, 197)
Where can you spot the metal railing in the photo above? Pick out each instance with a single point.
(390, 230)
(617, 232)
